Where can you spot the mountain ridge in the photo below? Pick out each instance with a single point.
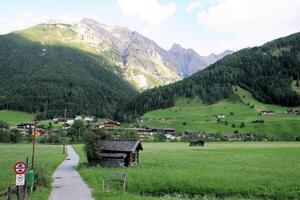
(137, 59)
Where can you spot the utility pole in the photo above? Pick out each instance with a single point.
(64, 142)
(33, 142)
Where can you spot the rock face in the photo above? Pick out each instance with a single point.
(142, 61)
(137, 59)
(187, 61)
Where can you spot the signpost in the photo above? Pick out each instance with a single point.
(20, 169)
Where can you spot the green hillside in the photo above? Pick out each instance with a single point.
(49, 77)
(194, 115)
(267, 72)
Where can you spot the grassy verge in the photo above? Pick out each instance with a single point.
(220, 170)
(48, 157)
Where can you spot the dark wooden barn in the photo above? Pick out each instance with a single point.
(197, 142)
(120, 153)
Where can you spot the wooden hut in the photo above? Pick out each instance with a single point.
(197, 142)
(120, 153)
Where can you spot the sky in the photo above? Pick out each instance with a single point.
(207, 26)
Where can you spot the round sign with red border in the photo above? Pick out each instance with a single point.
(20, 168)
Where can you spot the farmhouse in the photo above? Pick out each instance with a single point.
(197, 142)
(267, 112)
(25, 127)
(109, 124)
(144, 133)
(120, 153)
(85, 118)
(221, 116)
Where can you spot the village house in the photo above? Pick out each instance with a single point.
(119, 153)
(62, 120)
(24, 127)
(150, 131)
(220, 116)
(144, 133)
(110, 124)
(85, 118)
(266, 113)
(197, 142)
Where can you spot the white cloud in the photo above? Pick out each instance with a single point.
(193, 5)
(150, 11)
(252, 22)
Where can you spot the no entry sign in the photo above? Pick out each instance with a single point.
(20, 168)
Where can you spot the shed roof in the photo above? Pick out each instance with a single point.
(120, 145)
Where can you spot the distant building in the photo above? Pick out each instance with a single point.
(197, 142)
(25, 126)
(110, 124)
(170, 136)
(120, 153)
(221, 116)
(85, 118)
(266, 113)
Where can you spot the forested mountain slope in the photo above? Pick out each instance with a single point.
(266, 71)
(50, 77)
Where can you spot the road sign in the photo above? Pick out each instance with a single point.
(20, 168)
(20, 179)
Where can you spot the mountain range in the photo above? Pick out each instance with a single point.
(136, 58)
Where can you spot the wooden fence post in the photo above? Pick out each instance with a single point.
(9, 193)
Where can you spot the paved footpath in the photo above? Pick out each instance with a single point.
(67, 183)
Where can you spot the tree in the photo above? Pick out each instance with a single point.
(4, 125)
(160, 137)
(297, 82)
(15, 135)
(76, 131)
(92, 145)
(242, 125)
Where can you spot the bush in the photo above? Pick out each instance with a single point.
(242, 125)
(15, 136)
(160, 137)
(129, 135)
(12, 136)
(41, 177)
(4, 136)
(92, 147)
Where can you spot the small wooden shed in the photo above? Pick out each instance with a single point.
(120, 153)
(197, 142)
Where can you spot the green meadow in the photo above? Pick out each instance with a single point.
(224, 170)
(193, 115)
(48, 157)
(13, 118)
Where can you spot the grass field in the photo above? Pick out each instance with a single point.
(13, 118)
(219, 170)
(48, 157)
(193, 115)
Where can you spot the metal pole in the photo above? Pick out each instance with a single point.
(64, 142)
(33, 145)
